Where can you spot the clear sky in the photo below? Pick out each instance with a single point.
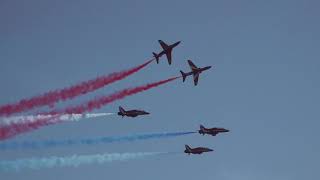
(264, 86)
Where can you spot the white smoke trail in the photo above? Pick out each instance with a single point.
(63, 117)
(72, 161)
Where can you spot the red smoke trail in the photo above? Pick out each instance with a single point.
(97, 103)
(52, 97)
(15, 129)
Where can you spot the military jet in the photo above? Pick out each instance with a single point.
(131, 113)
(195, 71)
(211, 131)
(198, 150)
(167, 49)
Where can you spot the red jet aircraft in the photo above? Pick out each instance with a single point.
(131, 113)
(195, 71)
(198, 150)
(167, 49)
(211, 131)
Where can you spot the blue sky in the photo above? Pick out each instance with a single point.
(264, 86)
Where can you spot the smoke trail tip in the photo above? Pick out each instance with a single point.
(148, 62)
(171, 153)
(176, 77)
(88, 115)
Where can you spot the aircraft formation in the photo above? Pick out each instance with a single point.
(195, 72)
(11, 126)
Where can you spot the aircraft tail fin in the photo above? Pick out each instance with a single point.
(202, 129)
(121, 110)
(155, 55)
(187, 148)
(184, 75)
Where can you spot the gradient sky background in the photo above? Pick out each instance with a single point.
(264, 86)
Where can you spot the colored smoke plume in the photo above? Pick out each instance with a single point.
(55, 96)
(32, 123)
(15, 129)
(73, 161)
(88, 141)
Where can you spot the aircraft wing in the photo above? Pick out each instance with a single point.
(196, 78)
(192, 66)
(168, 54)
(163, 45)
(214, 134)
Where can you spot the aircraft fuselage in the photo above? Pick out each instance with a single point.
(212, 131)
(197, 71)
(198, 150)
(200, 70)
(133, 113)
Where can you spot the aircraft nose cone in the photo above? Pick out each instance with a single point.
(209, 67)
(210, 150)
(225, 130)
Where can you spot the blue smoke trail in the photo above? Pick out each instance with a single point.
(72, 161)
(88, 141)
